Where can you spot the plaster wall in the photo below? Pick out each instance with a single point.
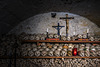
(39, 24)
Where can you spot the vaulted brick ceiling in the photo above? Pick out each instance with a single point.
(12, 12)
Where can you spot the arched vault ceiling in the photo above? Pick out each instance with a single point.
(12, 12)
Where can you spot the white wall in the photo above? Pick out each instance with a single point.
(39, 24)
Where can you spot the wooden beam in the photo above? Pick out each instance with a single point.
(59, 41)
(61, 57)
(27, 57)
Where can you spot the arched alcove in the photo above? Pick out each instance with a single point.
(39, 24)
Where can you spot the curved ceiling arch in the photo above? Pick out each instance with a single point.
(13, 12)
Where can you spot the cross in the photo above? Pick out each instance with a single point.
(58, 28)
(67, 24)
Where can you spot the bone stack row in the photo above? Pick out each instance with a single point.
(56, 49)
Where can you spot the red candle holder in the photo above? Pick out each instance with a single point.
(75, 51)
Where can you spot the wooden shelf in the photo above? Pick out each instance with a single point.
(28, 57)
(59, 41)
(61, 57)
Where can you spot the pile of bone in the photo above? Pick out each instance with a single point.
(51, 63)
(7, 44)
(37, 36)
(25, 36)
(55, 49)
(80, 36)
(26, 63)
(66, 62)
(19, 63)
(89, 50)
(5, 63)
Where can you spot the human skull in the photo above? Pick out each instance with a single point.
(63, 53)
(32, 37)
(69, 38)
(50, 35)
(56, 36)
(80, 36)
(55, 47)
(30, 53)
(37, 38)
(34, 49)
(37, 53)
(91, 38)
(50, 53)
(63, 38)
(57, 53)
(47, 49)
(43, 53)
(84, 36)
(71, 46)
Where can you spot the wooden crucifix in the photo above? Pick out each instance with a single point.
(58, 28)
(67, 24)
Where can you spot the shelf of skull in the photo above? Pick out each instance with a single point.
(59, 41)
(60, 49)
(57, 49)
